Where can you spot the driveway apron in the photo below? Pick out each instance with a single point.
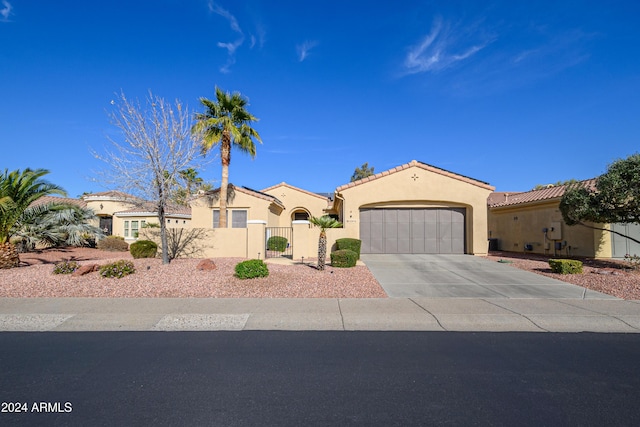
(464, 276)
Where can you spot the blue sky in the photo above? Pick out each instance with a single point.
(512, 93)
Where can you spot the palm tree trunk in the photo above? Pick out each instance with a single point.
(225, 158)
(322, 250)
(8, 256)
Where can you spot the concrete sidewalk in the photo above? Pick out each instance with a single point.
(384, 314)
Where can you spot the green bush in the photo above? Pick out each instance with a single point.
(351, 244)
(65, 267)
(113, 243)
(143, 249)
(565, 266)
(277, 243)
(343, 258)
(251, 268)
(117, 269)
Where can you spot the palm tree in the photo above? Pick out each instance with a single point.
(18, 190)
(191, 179)
(226, 122)
(323, 222)
(57, 224)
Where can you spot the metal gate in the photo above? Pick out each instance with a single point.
(278, 241)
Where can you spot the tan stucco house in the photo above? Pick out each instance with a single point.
(412, 208)
(415, 208)
(531, 222)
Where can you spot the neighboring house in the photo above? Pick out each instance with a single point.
(105, 204)
(121, 214)
(532, 222)
(128, 223)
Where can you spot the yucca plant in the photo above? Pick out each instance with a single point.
(323, 223)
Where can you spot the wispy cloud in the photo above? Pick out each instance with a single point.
(443, 47)
(217, 9)
(5, 12)
(304, 49)
(259, 38)
(231, 47)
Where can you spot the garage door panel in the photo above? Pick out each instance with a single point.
(375, 246)
(390, 215)
(428, 230)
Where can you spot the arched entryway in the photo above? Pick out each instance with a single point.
(300, 214)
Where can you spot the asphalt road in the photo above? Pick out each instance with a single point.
(319, 378)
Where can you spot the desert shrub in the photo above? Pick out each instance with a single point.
(143, 249)
(343, 258)
(117, 269)
(349, 243)
(65, 267)
(565, 266)
(113, 243)
(277, 243)
(633, 261)
(251, 268)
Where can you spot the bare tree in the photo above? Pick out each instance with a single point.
(155, 144)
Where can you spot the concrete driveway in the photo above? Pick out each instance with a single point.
(464, 276)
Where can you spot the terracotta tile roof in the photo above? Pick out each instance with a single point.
(110, 195)
(284, 184)
(53, 199)
(499, 197)
(245, 190)
(549, 193)
(421, 165)
(149, 208)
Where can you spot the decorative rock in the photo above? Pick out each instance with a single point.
(85, 269)
(206, 265)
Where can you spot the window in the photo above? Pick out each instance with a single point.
(238, 218)
(131, 228)
(300, 216)
(216, 218)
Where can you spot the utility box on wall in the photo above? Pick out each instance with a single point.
(555, 231)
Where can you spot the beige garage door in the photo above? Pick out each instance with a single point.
(417, 231)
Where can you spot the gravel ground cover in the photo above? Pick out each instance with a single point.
(608, 276)
(35, 278)
(181, 278)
